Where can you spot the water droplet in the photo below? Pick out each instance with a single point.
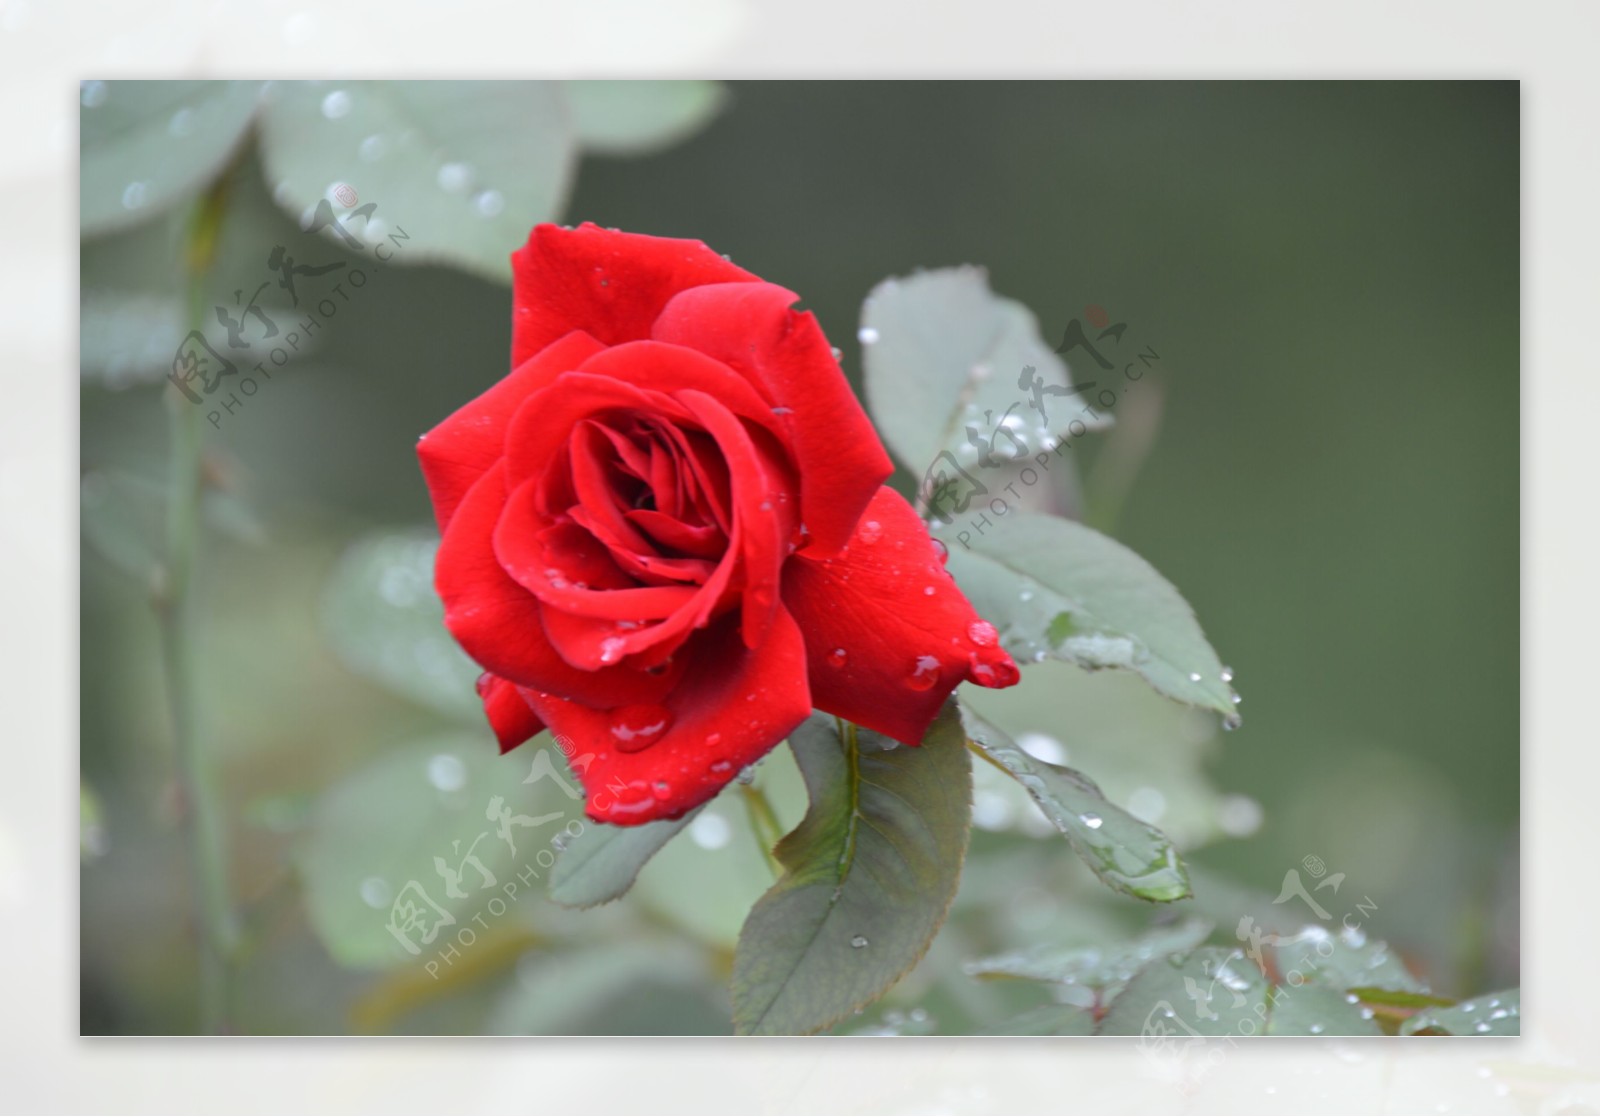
(983, 634)
(182, 124)
(1092, 821)
(446, 772)
(661, 789)
(454, 178)
(1237, 698)
(928, 591)
(837, 657)
(92, 94)
(1315, 1029)
(924, 672)
(372, 148)
(376, 893)
(866, 335)
(1025, 596)
(1194, 676)
(635, 728)
(1227, 674)
(859, 941)
(490, 203)
(721, 767)
(133, 195)
(940, 550)
(1232, 722)
(336, 104)
(611, 647)
(710, 831)
(870, 531)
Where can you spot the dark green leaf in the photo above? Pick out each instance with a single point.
(601, 863)
(1130, 856)
(145, 145)
(1057, 588)
(871, 871)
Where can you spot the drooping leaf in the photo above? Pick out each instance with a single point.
(638, 117)
(601, 863)
(943, 353)
(1129, 855)
(146, 145)
(461, 169)
(1149, 754)
(870, 873)
(1493, 1014)
(385, 621)
(1056, 588)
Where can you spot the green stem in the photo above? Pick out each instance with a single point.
(202, 824)
(764, 820)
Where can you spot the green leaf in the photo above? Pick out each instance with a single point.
(462, 169)
(1493, 1014)
(1344, 961)
(1048, 1020)
(1056, 588)
(638, 117)
(383, 843)
(1218, 991)
(1145, 751)
(871, 871)
(1132, 857)
(942, 352)
(601, 863)
(385, 621)
(1093, 967)
(145, 145)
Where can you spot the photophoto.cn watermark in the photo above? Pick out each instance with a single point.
(1183, 1041)
(423, 925)
(221, 380)
(950, 492)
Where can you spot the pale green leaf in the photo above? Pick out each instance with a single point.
(943, 353)
(146, 145)
(1492, 1014)
(1057, 588)
(638, 117)
(460, 169)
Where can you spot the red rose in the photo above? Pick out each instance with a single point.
(666, 536)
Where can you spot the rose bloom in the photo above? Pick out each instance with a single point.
(666, 535)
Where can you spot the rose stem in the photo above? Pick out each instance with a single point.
(174, 600)
(764, 821)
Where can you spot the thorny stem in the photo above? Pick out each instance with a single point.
(174, 600)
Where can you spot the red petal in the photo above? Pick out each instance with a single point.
(497, 621)
(509, 714)
(751, 328)
(462, 448)
(904, 649)
(611, 285)
(731, 707)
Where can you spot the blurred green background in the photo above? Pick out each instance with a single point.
(1329, 272)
